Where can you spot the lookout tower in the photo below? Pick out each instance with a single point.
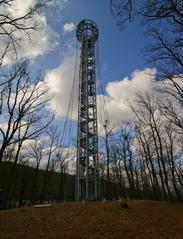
(87, 171)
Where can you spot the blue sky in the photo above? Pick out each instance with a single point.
(120, 52)
(123, 69)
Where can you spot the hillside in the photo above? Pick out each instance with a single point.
(143, 219)
(24, 183)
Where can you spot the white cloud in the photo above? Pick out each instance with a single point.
(59, 82)
(34, 43)
(68, 27)
(121, 93)
(19, 8)
(58, 3)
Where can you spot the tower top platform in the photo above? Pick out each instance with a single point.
(87, 30)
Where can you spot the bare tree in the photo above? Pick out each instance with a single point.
(14, 27)
(126, 155)
(147, 152)
(163, 20)
(170, 142)
(102, 169)
(151, 10)
(149, 116)
(123, 11)
(35, 153)
(62, 157)
(24, 109)
(108, 158)
(51, 147)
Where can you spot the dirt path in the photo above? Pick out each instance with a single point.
(144, 219)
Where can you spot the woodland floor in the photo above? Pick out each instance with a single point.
(144, 219)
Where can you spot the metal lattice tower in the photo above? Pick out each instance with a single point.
(87, 172)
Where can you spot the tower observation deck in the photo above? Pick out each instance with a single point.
(87, 171)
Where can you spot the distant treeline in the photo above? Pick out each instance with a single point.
(27, 186)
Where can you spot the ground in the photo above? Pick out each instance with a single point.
(100, 220)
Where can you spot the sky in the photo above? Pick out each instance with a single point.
(120, 58)
(119, 51)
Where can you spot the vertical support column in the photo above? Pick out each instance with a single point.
(87, 171)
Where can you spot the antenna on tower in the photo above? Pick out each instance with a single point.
(87, 171)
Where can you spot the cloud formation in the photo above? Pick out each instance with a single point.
(117, 98)
(68, 27)
(19, 8)
(120, 94)
(59, 82)
(57, 3)
(34, 43)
